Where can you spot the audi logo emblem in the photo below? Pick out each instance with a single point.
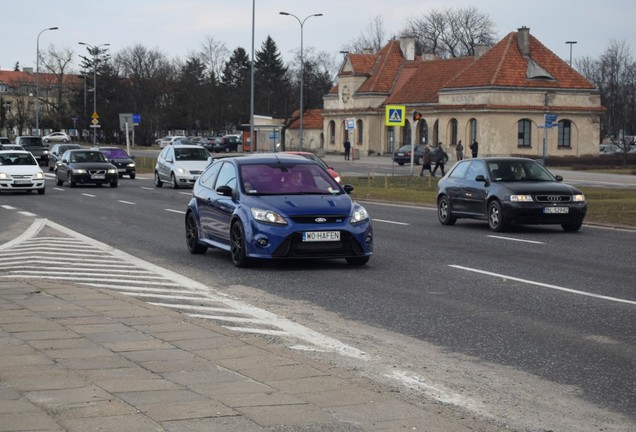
(320, 220)
(554, 198)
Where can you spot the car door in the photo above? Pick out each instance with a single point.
(454, 183)
(474, 192)
(204, 194)
(61, 169)
(164, 163)
(224, 205)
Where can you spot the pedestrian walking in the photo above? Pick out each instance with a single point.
(459, 151)
(439, 161)
(474, 148)
(347, 149)
(426, 160)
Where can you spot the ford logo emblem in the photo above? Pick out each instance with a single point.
(320, 220)
(554, 198)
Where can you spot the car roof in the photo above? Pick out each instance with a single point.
(270, 158)
(186, 146)
(14, 151)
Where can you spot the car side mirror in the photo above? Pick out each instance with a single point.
(348, 188)
(558, 178)
(132, 157)
(481, 178)
(224, 190)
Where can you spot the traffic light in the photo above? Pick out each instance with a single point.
(417, 115)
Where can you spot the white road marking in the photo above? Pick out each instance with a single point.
(26, 213)
(544, 285)
(89, 195)
(147, 188)
(516, 239)
(126, 202)
(175, 211)
(389, 222)
(8, 207)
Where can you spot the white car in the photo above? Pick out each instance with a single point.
(19, 171)
(169, 140)
(181, 165)
(56, 137)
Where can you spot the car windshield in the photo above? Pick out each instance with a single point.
(287, 179)
(191, 154)
(31, 141)
(17, 159)
(115, 153)
(87, 156)
(514, 171)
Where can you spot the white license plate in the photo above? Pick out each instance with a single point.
(98, 176)
(320, 236)
(22, 181)
(121, 170)
(556, 210)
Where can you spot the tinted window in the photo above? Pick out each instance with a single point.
(227, 176)
(459, 171)
(191, 154)
(476, 168)
(31, 141)
(209, 176)
(115, 153)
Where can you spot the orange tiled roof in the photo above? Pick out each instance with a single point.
(312, 119)
(18, 78)
(386, 66)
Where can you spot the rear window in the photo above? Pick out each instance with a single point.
(31, 141)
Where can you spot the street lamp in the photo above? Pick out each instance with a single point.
(302, 67)
(94, 49)
(571, 43)
(37, 80)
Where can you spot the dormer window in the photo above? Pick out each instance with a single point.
(534, 71)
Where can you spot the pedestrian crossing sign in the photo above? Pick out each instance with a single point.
(395, 115)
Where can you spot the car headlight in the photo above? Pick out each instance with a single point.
(4, 176)
(79, 171)
(521, 198)
(359, 214)
(578, 198)
(182, 171)
(112, 170)
(39, 175)
(131, 165)
(45, 152)
(268, 216)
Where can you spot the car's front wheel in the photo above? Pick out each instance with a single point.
(444, 212)
(173, 181)
(132, 176)
(192, 235)
(113, 184)
(158, 182)
(496, 221)
(237, 245)
(572, 227)
(357, 261)
(41, 191)
(59, 181)
(71, 180)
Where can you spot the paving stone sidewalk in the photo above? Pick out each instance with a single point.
(82, 359)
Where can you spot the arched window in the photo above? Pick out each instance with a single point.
(453, 131)
(406, 133)
(565, 134)
(524, 134)
(331, 131)
(360, 132)
(423, 131)
(473, 129)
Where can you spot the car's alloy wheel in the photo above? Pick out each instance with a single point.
(496, 220)
(114, 184)
(173, 181)
(71, 182)
(444, 212)
(237, 245)
(192, 235)
(158, 182)
(59, 182)
(41, 191)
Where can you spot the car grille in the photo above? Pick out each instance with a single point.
(196, 172)
(294, 247)
(93, 172)
(312, 219)
(554, 198)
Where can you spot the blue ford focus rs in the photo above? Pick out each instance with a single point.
(276, 206)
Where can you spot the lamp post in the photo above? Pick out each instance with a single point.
(94, 49)
(571, 43)
(37, 80)
(302, 67)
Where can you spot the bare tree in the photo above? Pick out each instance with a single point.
(214, 55)
(60, 83)
(373, 38)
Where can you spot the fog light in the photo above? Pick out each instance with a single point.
(368, 240)
(262, 242)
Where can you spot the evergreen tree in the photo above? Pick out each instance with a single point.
(271, 80)
(236, 89)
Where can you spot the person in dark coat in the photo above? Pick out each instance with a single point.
(426, 161)
(347, 149)
(440, 155)
(459, 151)
(474, 148)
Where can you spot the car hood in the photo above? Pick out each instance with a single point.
(92, 165)
(539, 187)
(121, 160)
(20, 169)
(304, 204)
(192, 165)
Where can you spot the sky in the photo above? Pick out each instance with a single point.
(179, 27)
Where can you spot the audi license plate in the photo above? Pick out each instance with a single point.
(98, 176)
(556, 210)
(320, 236)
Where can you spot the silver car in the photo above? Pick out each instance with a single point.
(181, 165)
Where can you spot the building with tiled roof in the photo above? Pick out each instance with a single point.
(499, 98)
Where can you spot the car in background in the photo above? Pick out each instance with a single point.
(208, 143)
(122, 160)
(508, 190)
(608, 149)
(56, 137)
(34, 144)
(20, 172)
(4, 140)
(276, 206)
(181, 165)
(320, 162)
(85, 166)
(11, 147)
(169, 140)
(228, 143)
(403, 155)
(56, 152)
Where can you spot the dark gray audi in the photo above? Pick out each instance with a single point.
(508, 190)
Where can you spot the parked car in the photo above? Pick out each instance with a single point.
(57, 151)
(276, 206)
(169, 140)
(507, 191)
(320, 162)
(403, 155)
(608, 149)
(181, 165)
(208, 143)
(38, 148)
(228, 143)
(11, 147)
(56, 137)
(85, 167)
(19, 171)
(4, 140)
(118, 157)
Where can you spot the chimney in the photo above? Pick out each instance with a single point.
(407, 45)
(28, 70)
(367, 50)
(523, 36)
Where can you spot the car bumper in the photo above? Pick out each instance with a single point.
(535, 213)
(11, 186)
(186, 180)
(89, 179)
(270, 241)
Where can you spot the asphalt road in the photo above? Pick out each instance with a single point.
(534, 324)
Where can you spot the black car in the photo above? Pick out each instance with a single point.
(403, 155)
(57, 151)
(118, 157)
(229, 143)
(85, 167)
(507, 191)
